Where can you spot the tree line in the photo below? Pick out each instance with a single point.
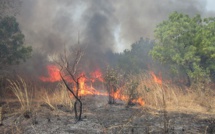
(185, 44)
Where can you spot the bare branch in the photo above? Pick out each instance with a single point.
(79, 54)
(67, 70)
(64, 81)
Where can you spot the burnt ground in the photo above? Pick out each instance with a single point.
(102, 118)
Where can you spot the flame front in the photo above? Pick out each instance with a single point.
(84, 89)
(53, 74)
(156, 79)
(120, 96)
(97, 75)
(89, 90)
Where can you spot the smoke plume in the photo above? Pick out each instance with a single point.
(101, 25)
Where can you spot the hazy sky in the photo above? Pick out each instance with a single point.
(211, 4)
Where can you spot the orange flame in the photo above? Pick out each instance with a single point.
(53, 74)
(82, 86)
(88, 90)
(120, 96)
(97, 75)
(140, 101)
(156, 79)
(84, 89)
(82, 79)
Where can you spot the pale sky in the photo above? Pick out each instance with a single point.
(211, 4)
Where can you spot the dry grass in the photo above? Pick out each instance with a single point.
(23, 93)
(166, 97)
(175, 98)
(154, 95)
(59, 96)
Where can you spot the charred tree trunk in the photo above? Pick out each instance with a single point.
(78, 117)
(78, 100)
(111, 94)
(80, 111)
(75, 109)
(75, 104)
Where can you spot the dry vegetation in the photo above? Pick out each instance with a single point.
(161, 101)
(176, 98)
(60, 96)
(23, 92)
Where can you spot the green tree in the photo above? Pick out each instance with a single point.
(188, 45)
(12, 50)
(136, 59)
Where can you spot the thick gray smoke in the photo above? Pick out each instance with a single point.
(102, 25)
(50, 24)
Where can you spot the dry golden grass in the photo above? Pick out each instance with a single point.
(167, 97)
(176, 98)
(23, 92)
(59, 96)
(28, 97)
(154, 95)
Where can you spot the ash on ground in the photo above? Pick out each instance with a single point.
(102, 118)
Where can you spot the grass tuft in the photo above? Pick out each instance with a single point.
(58, 96)
(23, 93)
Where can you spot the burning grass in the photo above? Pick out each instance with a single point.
(176, 98)
(159, 96)
(149, 92)
(143, 89)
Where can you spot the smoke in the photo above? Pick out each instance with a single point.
(140, 18)
(101, 25)
(50, 24)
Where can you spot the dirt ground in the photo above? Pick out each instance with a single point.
(102, 118)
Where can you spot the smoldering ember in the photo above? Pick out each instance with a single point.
(107, 67)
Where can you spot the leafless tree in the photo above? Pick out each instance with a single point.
(69, 69)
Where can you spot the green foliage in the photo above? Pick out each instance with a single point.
(187, 44)
(12, 50)
(136, 59)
